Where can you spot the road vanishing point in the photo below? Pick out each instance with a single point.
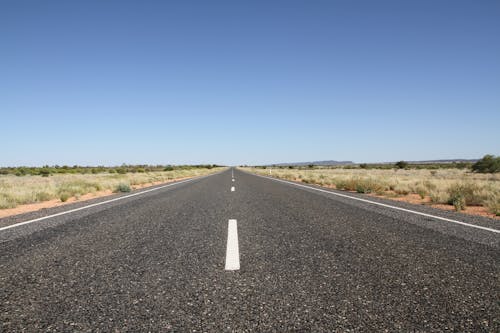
(236, 252)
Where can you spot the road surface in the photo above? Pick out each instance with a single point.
(294, 260)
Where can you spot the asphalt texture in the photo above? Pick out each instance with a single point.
(310, 262)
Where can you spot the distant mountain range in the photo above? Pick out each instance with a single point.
(331, 162)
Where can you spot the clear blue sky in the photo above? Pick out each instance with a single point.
(247, 82)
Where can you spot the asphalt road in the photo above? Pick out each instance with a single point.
(309, 262)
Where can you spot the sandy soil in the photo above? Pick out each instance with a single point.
(56, 202)
(415, 199)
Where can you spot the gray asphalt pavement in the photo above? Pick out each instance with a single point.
(309, 262)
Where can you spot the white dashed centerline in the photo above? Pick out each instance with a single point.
(232, 250)
(232, 188)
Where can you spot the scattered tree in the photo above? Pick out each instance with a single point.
(401, 164)
(488, 164)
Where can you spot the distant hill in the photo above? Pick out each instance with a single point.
(313, 163)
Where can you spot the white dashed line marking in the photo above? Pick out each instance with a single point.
(232, 250)
(232, 189)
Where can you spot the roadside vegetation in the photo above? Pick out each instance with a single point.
(457, 185)
(63, 183)
(47, 170)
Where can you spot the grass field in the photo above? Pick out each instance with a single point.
(459, 188)
(28, 189)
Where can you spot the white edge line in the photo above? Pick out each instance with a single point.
(383, 205)
(102, 203)
(232, 249)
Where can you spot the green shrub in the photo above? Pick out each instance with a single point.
(169, 168)
(438, 197)
(123, 187)
(458, 201)
(469, 192)
(401, 164)
(369, 186)
(362, 188)
(493, 204)
(121, 171)
(348, 184)
(340, 184)
(43, 196)
(488, 164)
(64, 196)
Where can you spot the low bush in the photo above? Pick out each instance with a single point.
(64, 196)
(43, 196)
(123, 187)
(421, 191)
(458, 201)
(438, 197)
(402, 189)
(493, 204)
(469, 193)
(401, 164)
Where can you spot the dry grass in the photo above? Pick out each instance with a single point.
(16, 191)
(446, 186)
